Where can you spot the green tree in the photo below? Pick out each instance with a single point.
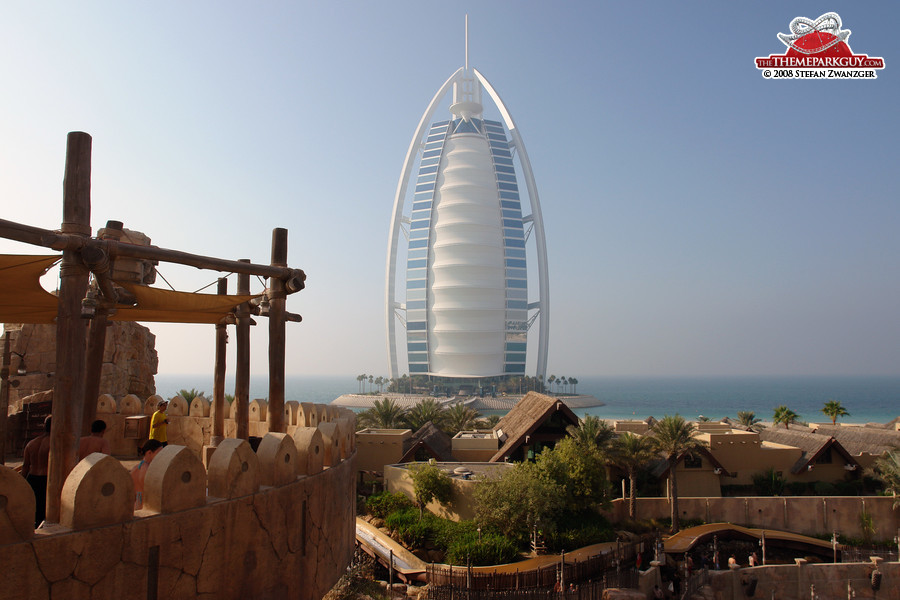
(371, 381)
(631, 453)
(385, 414)
(674, 438)
(785, 416)
(833, 409)
(591, 430)
(574, 383)
(867, 525)
(426, 409)
(887, 469)
(190, 394)
(518, 501)
(579, 471)
(550, 381)
(488, 422)
(359, 380)
(749, 419)
(430, 483)
(460, 417)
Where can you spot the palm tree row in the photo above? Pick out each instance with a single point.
(562, 382)
(388, 414)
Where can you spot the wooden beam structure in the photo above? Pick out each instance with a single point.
(218, 407)
(71, 329)
(79, 361)
(277, 295)
(240, 410)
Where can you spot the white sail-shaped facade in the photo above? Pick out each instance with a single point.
(466, 309)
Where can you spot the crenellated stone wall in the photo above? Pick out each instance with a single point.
(270, 524)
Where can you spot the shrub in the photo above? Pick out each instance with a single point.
(383, 504)
(797, 488)
(412, 531)
(492, 549)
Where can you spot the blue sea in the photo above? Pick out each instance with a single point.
(868, 399)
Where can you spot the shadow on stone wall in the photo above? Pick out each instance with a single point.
(277, 523)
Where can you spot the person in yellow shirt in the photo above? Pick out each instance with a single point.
(158, 423)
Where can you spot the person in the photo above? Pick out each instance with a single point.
(94, 442)
(34, 469)
(752, 559)
(657, 593)
(158, 423)
(732, 561)
(148, 451)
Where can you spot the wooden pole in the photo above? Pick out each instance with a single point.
(94, 368)
(4, 396)
(277, 298)
(68, 391)
(242, 370)
(218, 407)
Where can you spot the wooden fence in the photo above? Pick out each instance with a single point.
(593, 575)
(586, 590)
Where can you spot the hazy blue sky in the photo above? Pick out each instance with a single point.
(700, 220)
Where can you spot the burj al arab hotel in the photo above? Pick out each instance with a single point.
(461, 237)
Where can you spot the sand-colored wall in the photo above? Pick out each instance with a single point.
(461, 506)
(474, 449)
(808, 515)
(803, 580)
(380, 447)
(291, 540)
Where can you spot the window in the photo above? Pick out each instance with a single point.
(825, 458)
(692, 462)
(418, 244)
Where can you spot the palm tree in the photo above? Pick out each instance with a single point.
(748, 419)
(359, 380)
(550, 381)
(592, 430)
(385, 414)
(785, 416)
(460, 418)
(379, 381)
(371, 381)
(834, 409)
(574, 383)
(488, 423)
(190, 394)
(887, 469)
(631, 453)
(426, 409)
(674, 438)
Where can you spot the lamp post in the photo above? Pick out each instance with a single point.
(834, 546)
(762, 543)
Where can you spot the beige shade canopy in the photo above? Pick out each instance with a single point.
(23, 300)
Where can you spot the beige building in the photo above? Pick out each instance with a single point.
(475, 446)
(379, 447)
(465, 475)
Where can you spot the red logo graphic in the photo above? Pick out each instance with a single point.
(818, 49)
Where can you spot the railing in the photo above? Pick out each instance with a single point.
(864, 553)
(587, 590)
(581, 580)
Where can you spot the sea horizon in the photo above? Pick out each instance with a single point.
(868, 399)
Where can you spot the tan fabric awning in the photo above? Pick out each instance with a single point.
(165, 306)
(23, 300)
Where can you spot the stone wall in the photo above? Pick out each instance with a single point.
(129, 360)
(803, 581)
(809, 515)
(278, 523)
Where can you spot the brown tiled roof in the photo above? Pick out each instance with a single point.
(433, 440)
(812, 444)
(525, 417)
(862, 439)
